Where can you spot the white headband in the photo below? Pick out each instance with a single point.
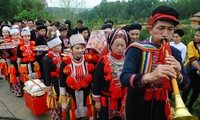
(53, 43)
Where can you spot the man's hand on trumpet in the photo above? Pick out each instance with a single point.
(172, 69)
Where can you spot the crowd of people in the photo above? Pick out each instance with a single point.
(128, 80)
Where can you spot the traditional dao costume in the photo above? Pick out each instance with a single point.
(51, 69)
(75, 82)
(149, 101)
(28, 66)
(4, 56)
(107, 88)
(13, 67)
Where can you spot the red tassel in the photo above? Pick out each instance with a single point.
(73, 105)
(89, 112)
(123, 105)
(168, 105)
(38, 74)
(63, 115)
(103, 101)
(116, 93)
(148, 94)
(113, 104)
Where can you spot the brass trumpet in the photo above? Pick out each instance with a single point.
(181, 112)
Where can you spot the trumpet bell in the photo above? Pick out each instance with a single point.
(181, 112)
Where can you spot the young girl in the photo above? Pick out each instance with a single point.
(51, 69)
(28, 67)
(75, 81)
(4, 54)
(12, 63)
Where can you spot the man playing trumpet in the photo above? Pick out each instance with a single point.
(147, 70)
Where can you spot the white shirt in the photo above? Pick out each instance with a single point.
(57, 33)
(181, 47)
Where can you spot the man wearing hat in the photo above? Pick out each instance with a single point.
(147, 71)
(178, 34)
(52, 62)
(134, 31)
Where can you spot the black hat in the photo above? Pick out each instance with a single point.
(125, 27)
(57, 24)
(82, 28)
(106, 26)
(164, 13)
(109, 21)
(134, 26)
(62, 28)
(180, 32)
(67, 22)
(38, 23)
(39, 27)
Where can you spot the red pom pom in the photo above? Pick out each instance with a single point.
(50, 55)
(33, 54)
(21, 43)
(55, 61)
(88, 57)
(76, 86)
(26, 59)
(22, 48)
(83, 84)
(32, 43)
(88, 78)
(67, 70)
(24, 54)
(67, 59)
(32, 47)
(90, 67)
(95, 58)
(23, 60)
(70, 81)
(32, 59)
